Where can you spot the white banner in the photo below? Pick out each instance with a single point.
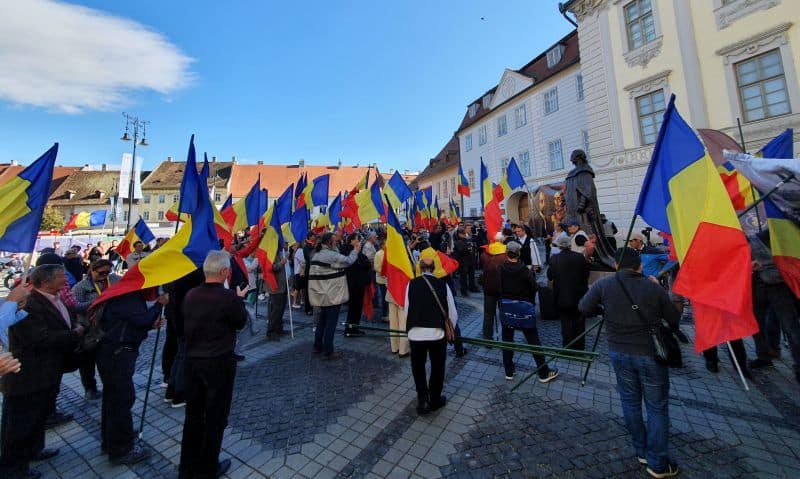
(125, 177)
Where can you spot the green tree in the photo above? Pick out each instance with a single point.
(51, 219)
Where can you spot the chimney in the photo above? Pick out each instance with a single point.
(169, 159)
(86, 167)
(260, 162)
(301, 163)
(14, 163)
(213, 159)
(340, 164)
(103, 167)
(233, 158)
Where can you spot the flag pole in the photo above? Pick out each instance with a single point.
(289, 301)
(738, 368)
(150, 374)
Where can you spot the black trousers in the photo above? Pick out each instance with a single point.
(209, 390)
(779, 300)
(532, 337)
(428, 389)
(464, 278)
(573, 324)
(117, 363)
(169, 351)
(88, 360)
(307, 303)
(737, 345)
(489, 314)
(355, 305)
(22, 435)
(277, 306)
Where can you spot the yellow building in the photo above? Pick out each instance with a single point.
(723, 59)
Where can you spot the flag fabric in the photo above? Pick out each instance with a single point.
(682, 195)
(247, 211)
(766, 173)
(512, 179)
(181, 254)
(334, 211)
(22, 202)
(269, 247)
(315, 193)
(737, 186)
(444, 265)
(396, 265)
(139, 232)
(396, 190)
(349, 212)
(490, 203)
(228, 202)
(362, 184)
(86, 219)
(463, 183)
(782, 146)
(300, 188)
(370, 203)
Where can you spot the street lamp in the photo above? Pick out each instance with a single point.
(135, 123)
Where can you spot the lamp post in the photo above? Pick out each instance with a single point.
(136, 123)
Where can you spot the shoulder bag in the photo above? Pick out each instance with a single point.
(449, 331)
(666, 350)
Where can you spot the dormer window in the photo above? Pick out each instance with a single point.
(100, 194)
(554, 55)
(473, 110)
(70, 194)
(487, 99)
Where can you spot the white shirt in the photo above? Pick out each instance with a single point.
(574, 245)
(536, 260)
(433, 334)
(299, 261)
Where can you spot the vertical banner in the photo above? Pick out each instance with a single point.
(125, 176)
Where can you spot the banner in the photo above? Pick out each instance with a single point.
(125, 177)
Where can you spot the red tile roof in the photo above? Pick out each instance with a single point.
(60, 173)
(536, 69)
(277, 177)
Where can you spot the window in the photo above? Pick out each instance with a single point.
(556, 157)
(585, 135)
(471, 178)
(473, 110)
(525, 163)
(217, 197)
(482, 135)
(160, 215)
(444, 189)
(146, 215)
(554, 55)
(162, 198)
(551, 101)
(520, 116)
(502, 126)
(174, 198)
(579, 82)
(650, 109)
(762, 87)
(639, 23)
(505, 162)
(146, 199)
(473, 212)
(487, 99)
(125, 215)
(468, 141)
(452, 186)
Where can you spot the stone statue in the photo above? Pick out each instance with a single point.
(580, 196)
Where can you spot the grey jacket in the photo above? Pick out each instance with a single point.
(85, 293)
(625, 330)
(327, 284)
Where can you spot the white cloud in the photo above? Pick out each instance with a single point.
(71, 58)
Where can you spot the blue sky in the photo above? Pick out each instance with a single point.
(272, 81)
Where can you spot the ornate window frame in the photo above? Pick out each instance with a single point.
(659, 81)
(726, 15)
(640, 56)
(775, 37)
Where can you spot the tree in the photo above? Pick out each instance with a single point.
(51, 219)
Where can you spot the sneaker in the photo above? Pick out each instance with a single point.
(163, 384)
(642, 460)
(760, 363)
(137, 454)
(46, 453)
(178, 402)
(296, 306)
(551, 374)
(670, 471)
(92, 395)
(510, 378)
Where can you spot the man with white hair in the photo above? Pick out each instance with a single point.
(212, 315)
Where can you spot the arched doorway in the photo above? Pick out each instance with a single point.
(518, 208)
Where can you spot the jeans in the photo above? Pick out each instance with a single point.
(640, 377)
(778, 299)
(428, 390)
(323, 336)
(116, 363)
(209, 390)
(532, 336)
(489, 314)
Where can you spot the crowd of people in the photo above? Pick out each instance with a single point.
(48, 328)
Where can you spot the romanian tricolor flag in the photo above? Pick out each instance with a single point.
(22, 202)
(490, 203)
(362, 185)
(302, 182)
(463, 183)
(269, 247)
(184, 252)
(455, 217)
(512, 179)
(737, 186)
(315, 193)
(396, 190)
(683, 196)
(396, 265)
(333, 215)
(86, 219)
(228, 202)
(444, 265)
(247, 211)
(139, 232)
(370, 203)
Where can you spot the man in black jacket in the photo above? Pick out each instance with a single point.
(464, 253)
(126, 320)
(358, 276)
(42, 343)
(569, 272)
(212, 315)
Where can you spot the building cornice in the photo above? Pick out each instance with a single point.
(754, 43)
(653, 82)
(641, 56)
(586, 8)
(725, 15)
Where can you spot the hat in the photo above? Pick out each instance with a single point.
(499, 237)
(513, 248)
(563, 242)
(49, 258)
(637, 236)
(573, 223)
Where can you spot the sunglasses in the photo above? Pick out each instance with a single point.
(104, 272)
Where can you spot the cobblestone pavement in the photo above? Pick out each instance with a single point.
(296, 415)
